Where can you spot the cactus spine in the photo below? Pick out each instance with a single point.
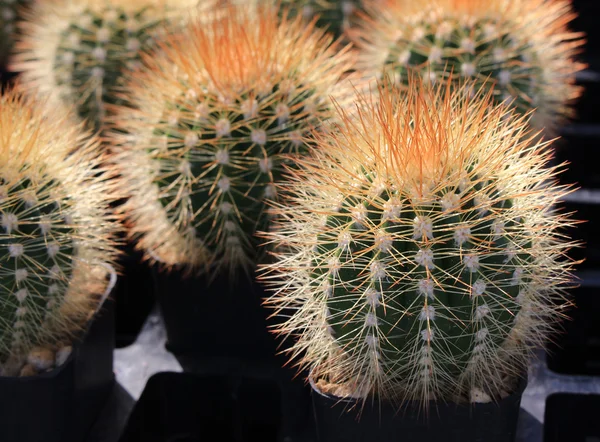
(203, 147)
(421, 259)
(55, 232)
(78, 49)
(521, 48)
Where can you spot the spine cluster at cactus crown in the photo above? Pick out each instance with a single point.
(521, 48)
(56, 232)
(424, 257)
(213, 118)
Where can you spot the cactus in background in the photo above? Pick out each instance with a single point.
(55, 233)
(213, 118)
(423, 259)
(334, 15)
(9, 10)
(77, 50)
(521, 48)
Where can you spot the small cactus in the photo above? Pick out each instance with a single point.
(55, 232)
(9, 14)
(520, 48)
(423, 258)
(213, 119)
(77, 50)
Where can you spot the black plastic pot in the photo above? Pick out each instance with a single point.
(572, 418)
(346, 420)
(218, 319)
(134, 296)
(62, 405)
(222, 328)
(185, 407)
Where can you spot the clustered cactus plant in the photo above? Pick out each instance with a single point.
(77, 50)
(9, 10)
(213, 120)
(521, 48)
(56, 230)
(423, 259)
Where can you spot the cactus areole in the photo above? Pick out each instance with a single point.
(423, 260)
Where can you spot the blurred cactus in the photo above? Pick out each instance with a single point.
(521, 48)
(423, 259)
(334, 15)
(77, 49)
(213, 119)
(9, 14)
(56, 234)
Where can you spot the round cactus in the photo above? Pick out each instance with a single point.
(213, 119)
(55, 233)
(521, 48)
(9, 10)
(422, 258)
(77, 50)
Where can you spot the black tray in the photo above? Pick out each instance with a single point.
(347, 420)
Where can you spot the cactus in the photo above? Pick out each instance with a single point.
(521, 48)
(334, 15)
(213, 119)
(78, 49)
(9, 10)
(55, 233)
(422, 259)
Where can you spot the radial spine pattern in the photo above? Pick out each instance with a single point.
(422, 259)
(521, 48)
(212, 124)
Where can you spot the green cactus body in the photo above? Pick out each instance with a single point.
(482, 51)
(37, 245)
(234, 155)
(431, 286)
(94, 51)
